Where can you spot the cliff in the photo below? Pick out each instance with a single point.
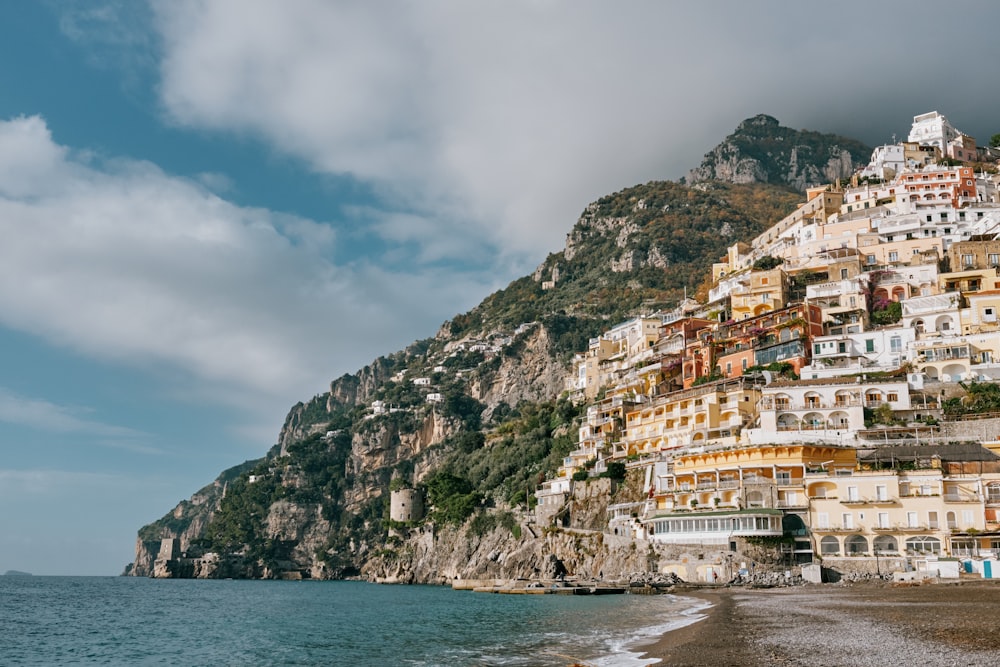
(762, 151)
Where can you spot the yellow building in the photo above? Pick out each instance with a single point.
(762, 292)
(710, 413)
(715, 496)
(901, 502)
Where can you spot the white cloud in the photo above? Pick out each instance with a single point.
(494, 124)
(121, 261)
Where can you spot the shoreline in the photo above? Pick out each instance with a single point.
(826, 625)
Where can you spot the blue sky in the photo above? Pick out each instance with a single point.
(211, 209)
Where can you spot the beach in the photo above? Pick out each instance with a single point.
(835, 625)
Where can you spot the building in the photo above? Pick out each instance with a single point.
(825, 410)
(904, 501)
(724, 495)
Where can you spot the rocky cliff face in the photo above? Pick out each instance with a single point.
(532, 374)
(762, 151)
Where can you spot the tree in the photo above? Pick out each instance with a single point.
(889, 314)
(615, 470)
(995, 141)
(767, 262)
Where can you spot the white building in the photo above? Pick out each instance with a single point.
(886, 162)
(937, 313)
(875, 350)
(823, 411)
(933, 129)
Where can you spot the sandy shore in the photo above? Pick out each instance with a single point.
(835, 625)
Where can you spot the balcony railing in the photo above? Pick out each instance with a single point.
(961, 498)
(800, 407)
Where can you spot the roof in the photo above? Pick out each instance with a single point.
(953, 452)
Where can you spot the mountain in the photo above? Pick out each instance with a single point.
(762, 151)
(473, 418)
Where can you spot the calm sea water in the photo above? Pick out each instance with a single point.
(131, 621)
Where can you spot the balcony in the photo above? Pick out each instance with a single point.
(914, 528)
(835, 529)
(961, 498)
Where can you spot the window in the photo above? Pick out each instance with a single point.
(891, 397)
(895, 345)
(869, 259)
(852, 493)
(993, 259)
(881, 493)
(869, 345)
(883, 519)
(848, 520)
(843, 274)
(893, 256)
(968, 260)
(911, 520)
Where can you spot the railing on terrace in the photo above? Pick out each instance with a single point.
(811, 427)
(821, 405)
(961, 498)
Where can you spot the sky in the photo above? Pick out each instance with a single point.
(209, 209)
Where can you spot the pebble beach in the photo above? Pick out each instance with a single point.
(873, 624)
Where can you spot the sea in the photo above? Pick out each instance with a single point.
(137, 621)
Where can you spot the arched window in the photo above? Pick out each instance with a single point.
(885, 544)
(993, 492)
(829, 545)
(855, 545)
(924, 544)
(755, 499)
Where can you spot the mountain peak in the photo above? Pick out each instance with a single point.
(760, 120)
(761, 150)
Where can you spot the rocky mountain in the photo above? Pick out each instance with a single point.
(762, 151)
(472, 419)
